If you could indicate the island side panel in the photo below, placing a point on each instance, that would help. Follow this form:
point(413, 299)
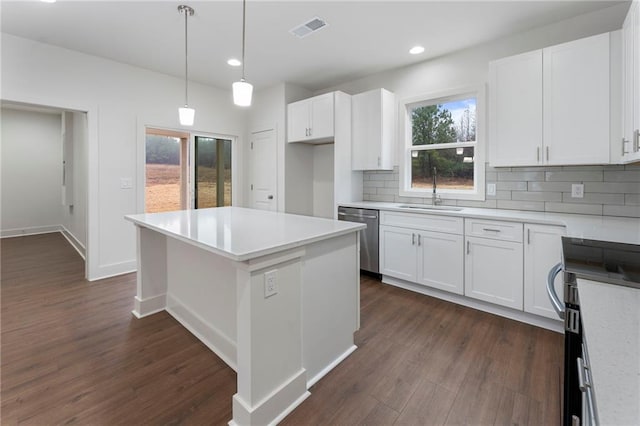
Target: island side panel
point(330, 303)
point(201, 295)
point(271, 377)
point(152, 272)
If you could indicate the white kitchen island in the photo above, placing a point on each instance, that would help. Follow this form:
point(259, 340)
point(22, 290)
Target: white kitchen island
point(276, 296)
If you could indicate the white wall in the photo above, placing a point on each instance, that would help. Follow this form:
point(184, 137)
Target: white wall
point(31, 171)
point(74, 217)
point(323, 169)
point(120, 101)
point(470, 67)
point(268, 111)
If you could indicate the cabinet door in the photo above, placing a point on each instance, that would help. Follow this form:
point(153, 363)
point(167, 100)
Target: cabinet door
point(298, 114)
point(493, 271)
point(441, 261)
point(542, 250)
point(398, 252)
point(372, 130)
point(321, 126)
point(515, 110)
point(576, 102)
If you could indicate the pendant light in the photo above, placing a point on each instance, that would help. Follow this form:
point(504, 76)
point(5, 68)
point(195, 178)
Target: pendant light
point(186, 114)
point(242, 90)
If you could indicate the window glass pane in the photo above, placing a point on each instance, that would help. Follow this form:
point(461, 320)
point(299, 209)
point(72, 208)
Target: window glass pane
point(453, 168)
point(213, 172)
point(446, 122)
point(163, 177)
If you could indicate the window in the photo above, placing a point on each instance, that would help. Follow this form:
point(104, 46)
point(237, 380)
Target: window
point(442, 143)
point(166, 182)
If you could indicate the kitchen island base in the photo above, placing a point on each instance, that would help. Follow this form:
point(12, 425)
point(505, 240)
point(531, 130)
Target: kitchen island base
point(279, 344)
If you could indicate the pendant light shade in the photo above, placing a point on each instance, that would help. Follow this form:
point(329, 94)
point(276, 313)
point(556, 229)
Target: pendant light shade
point(242, 91)
point(186, 115)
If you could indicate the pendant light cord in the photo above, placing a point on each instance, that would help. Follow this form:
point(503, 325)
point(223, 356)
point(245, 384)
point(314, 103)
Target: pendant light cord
point(244, 11)
point(186, 62)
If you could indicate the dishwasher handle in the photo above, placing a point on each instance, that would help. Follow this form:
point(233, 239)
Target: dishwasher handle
point(361, 216)
point(558, 306)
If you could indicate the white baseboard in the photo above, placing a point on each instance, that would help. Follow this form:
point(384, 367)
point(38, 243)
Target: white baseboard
point(80, 248)
point(214, 339)
point(149, 306)
point(31, 230)
point(521, 316)
point(275, 406)
point(330, 367)
point(112, 270)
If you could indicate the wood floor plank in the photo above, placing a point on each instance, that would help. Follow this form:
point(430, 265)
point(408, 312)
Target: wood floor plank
point(71, 352)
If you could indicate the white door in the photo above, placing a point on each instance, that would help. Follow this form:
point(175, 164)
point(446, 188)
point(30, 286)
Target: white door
point(264, 170)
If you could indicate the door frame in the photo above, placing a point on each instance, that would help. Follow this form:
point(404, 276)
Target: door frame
point(192, 162)
point(91, 265)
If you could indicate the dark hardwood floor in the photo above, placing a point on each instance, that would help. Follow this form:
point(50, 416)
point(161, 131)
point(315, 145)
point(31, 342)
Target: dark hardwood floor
point(71, 352)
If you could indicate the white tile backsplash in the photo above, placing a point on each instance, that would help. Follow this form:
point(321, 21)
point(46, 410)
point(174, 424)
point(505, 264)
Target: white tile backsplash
point(609, 190)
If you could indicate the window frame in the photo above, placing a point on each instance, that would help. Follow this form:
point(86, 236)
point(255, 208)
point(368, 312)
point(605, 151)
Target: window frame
point(406, 147)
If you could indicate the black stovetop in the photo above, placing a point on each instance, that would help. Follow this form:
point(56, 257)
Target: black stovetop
point(605, 261)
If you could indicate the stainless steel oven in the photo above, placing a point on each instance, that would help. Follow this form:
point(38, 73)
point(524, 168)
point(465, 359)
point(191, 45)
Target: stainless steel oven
point(602, 261)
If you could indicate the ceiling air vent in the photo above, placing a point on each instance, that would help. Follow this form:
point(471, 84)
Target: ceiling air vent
point(314, 24)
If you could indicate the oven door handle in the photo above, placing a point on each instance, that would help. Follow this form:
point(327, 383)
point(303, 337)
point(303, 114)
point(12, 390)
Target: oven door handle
point(551, 290)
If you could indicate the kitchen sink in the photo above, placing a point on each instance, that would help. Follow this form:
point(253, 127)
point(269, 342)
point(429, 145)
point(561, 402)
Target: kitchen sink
point(423, 207)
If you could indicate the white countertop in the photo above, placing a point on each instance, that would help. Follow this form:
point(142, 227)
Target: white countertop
point(606, 228)
point(611, 320)
point(241, 234)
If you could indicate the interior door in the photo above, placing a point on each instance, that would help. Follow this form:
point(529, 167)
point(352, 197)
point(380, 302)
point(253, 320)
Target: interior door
point(264, 170)
point(212, 172)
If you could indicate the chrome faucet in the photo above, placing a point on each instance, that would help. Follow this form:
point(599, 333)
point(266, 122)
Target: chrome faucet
point(435, 199)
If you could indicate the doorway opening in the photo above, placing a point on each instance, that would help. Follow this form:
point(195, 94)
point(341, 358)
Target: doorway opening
point(166, 171)
point(213, 172)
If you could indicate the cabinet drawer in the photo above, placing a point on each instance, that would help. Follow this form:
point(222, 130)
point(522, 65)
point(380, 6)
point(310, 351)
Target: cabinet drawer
point(497, 230)
point(425, 222)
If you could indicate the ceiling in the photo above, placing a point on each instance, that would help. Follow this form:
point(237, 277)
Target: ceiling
point(362, 37)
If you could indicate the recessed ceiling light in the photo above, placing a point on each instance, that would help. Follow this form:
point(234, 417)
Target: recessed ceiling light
point(234, 62)
point(48, 1)
point(416, 50)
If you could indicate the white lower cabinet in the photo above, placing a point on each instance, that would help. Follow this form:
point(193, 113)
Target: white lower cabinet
point(398, 257)
point(433, 259)
point(494, 266)
point(501, 262)
point(440, 263)
point(542, 250)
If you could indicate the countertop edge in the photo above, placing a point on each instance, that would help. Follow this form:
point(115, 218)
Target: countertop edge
point(245, 256)
point(577, 225)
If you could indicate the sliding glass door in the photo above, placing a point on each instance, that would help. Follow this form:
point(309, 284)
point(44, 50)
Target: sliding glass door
point(212, 172)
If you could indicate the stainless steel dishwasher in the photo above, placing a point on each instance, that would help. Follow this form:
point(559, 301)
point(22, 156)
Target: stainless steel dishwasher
point(369, 257)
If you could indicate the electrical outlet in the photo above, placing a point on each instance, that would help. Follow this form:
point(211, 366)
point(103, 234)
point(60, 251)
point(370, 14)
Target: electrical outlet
point(125, 183)
point(270, 283)
point(577, 190)
point(491, 189)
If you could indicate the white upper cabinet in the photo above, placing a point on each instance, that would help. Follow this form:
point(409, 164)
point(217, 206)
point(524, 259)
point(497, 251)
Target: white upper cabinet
point(311, 120)
point(576, 102)
point(631, 85)
point(552, 106)
point(373, 129)
point(516, 110)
